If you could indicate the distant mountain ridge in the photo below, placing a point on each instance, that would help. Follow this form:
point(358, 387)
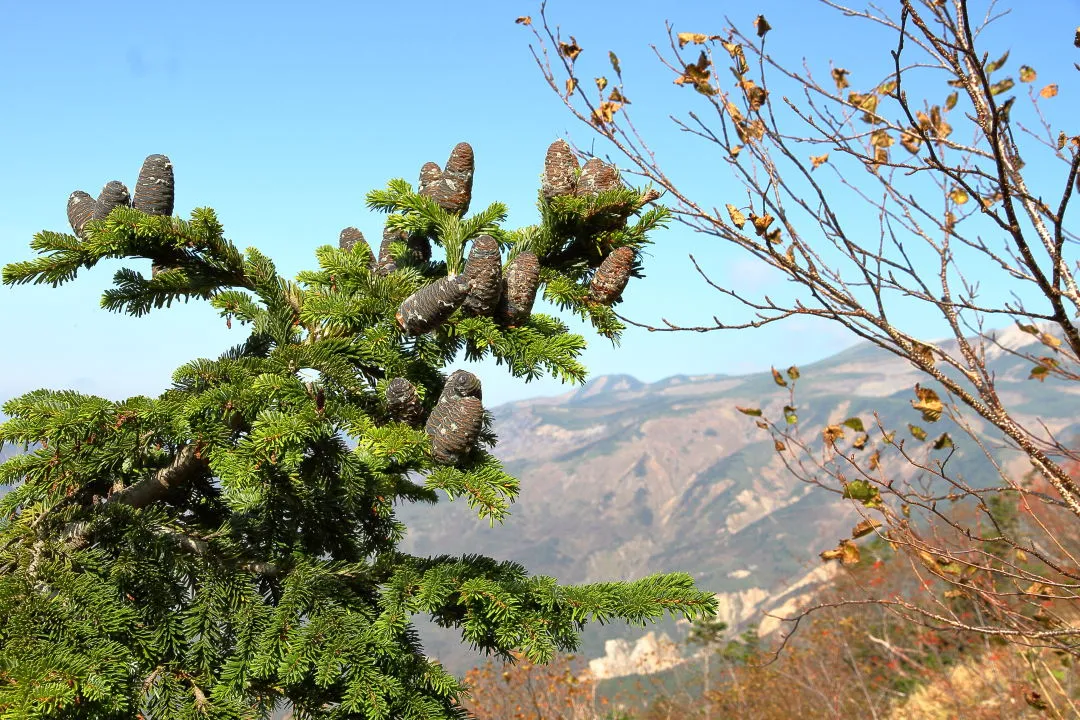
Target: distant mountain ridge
point(622, 478)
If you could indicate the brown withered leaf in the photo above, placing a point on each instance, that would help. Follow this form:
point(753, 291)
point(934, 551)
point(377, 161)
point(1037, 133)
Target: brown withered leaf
point(916, 432)
point(911, 142)
point(735, 150)
point(860, 441)
point(928, 403)
point(875, 460)
point(865, 528)
point(524, 20)
point(839, 76)
point(937, 122)
point(774, 236)
point(761, 223)
point(615, 63)
point(886, 88)
point(1027, 74)
point(750, 131)
point(943, 442)
point(1039, 372)
point(571, 86)
point(601, 83)
point(762, 25)
point(697, 75)
point(779, 380)
point(1049, 91)
point(779, 446)
point(756, 97)
point(958, 195)
point(1076, 38)
point(1002, 86)
point(1061, 140)
point(616, 96)
point(881, 156)
point(753, 412)
point(737, 217)
point(817, 161)
point(696, 38)
point(831, 434)
point(570, 50)
point(605, 113)
point(736, 52)
point(793, 373)
point(950, 100)
point(846, 552)
point(881, 139)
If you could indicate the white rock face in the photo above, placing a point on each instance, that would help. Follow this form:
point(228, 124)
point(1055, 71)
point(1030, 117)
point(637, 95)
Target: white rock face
point(651, 653)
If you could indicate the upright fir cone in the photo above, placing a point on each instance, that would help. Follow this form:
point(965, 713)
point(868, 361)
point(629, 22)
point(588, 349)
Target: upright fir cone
point(483, 271)
point(350, 238)
point(431, 305)
point(461, 383)
point(559, 168)
point(596, 177)
point(430, 173)
point(522, 278)
point(113, 194)
point(80, 208)
point(453, 189)
point(385, 263)
point(155, 188)
point(611, 277)
point(403, 403)
point(453, 428)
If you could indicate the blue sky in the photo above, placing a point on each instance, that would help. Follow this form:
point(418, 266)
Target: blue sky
point(282, 116)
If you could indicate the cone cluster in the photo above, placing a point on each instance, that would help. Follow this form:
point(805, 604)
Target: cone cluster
point(154, 195)
point(450, 187)
point(454, 424)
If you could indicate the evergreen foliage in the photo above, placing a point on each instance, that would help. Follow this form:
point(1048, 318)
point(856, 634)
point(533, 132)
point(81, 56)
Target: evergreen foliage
point(231, 545)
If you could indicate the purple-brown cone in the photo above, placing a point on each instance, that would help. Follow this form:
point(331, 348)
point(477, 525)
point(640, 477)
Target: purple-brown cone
point(483, 271)
point(113, 194)
point(453, 428)
point(611, 277)
point(350, 238)
point(522, 278)
point(596, 177)
point(559, 168)
point(453, 189)
point(80, 208)
point(431, 305)
point(403, 403)
point(461, 383)
point(155, 188)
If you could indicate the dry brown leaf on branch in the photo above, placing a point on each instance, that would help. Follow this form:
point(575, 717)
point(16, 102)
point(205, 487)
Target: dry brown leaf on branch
point(779, 379)
point(756, 97)
point(928, 403)
point(1027, 74)
point(615, 63)
point(570, 50)
point(997, 64)
point(1049, 91)
point(762, 25)
point(865, 528)
point(605, 113)
point(601, 83)
point(831, 434)
point(524, 20)
point(761, 223)
point(839, 76)
point(571, 86)
point(950, 100)
point(697, 75)
point(737, 217)
point(617, 97)
point(817, 161)
point(696, 38)
point(846, 552)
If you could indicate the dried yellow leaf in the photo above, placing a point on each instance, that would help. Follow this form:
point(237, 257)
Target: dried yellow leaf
point(737, 217)
point(601, 83)
point(570, 50)
point(1027, 74)
point(839, 76)
point(1049, 91)
point(817, 161)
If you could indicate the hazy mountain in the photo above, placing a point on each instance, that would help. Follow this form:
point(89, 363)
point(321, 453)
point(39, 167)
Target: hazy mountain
point(620, 479)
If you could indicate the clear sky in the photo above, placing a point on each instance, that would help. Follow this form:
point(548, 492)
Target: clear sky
point(282, 116)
